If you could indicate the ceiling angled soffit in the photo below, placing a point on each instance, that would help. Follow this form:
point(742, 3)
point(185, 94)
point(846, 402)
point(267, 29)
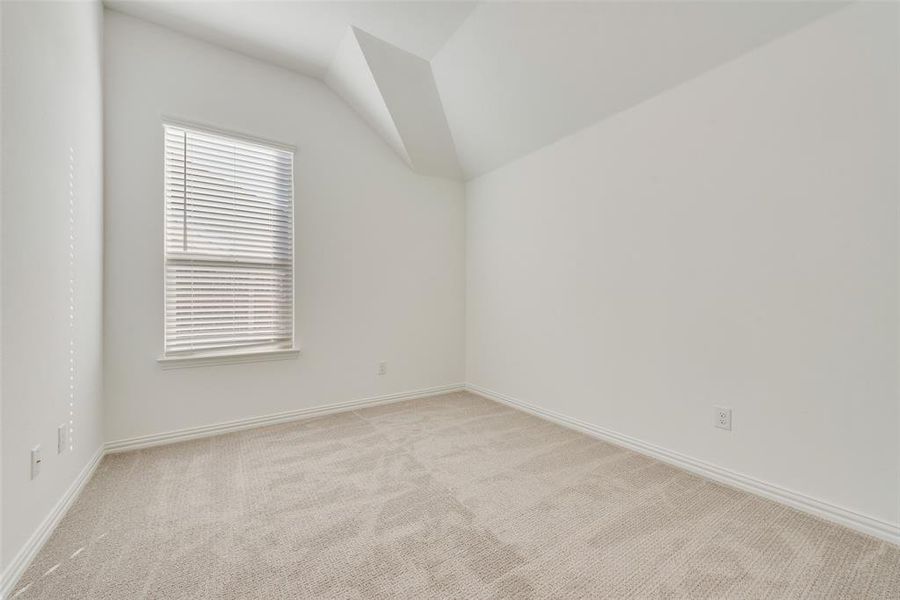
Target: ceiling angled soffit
point(388, 83)
point(302, 36)
point(350, 77)
point(518, 76)
point(408, 90)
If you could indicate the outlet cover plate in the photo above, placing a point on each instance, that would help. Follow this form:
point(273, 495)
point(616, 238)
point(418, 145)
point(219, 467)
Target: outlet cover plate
point(36, 461)
point(723, 417)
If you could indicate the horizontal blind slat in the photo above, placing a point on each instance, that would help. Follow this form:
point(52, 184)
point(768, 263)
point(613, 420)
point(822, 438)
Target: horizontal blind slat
point(222, 143)
point(229, 178)
point(227, 145)
point(235, 209)
point(229, 163)
point(228, 242)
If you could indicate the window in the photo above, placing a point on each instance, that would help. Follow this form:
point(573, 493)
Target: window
point(228, 245)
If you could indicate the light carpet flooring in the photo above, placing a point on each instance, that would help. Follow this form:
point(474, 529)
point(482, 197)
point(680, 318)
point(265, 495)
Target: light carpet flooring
point(447, 497)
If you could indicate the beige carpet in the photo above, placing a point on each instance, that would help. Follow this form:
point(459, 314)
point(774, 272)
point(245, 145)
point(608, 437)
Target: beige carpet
point(448, 497)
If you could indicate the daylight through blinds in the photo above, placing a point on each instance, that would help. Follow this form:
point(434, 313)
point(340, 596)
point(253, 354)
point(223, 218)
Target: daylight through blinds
point(229, 243)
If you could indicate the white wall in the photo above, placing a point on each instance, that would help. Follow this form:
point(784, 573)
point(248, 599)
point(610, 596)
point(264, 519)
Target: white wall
point(379, 250)
point(517, 76)
point(51, 124)
point(731, 241)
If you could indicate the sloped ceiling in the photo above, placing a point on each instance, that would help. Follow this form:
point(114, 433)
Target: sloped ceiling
point(409, 91)
point(458, 89)
point(302, 36)
point(351, 77)
point(516, 77)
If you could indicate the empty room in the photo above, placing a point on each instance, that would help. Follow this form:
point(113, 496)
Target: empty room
point(449, 300)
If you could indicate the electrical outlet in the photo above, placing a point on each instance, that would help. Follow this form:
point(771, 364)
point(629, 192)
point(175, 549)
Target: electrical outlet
point(62, 433)
point(382, 368)
point(723, 417)
point(36, 461)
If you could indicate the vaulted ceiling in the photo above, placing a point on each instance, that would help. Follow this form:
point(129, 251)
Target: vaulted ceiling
point(458, 89)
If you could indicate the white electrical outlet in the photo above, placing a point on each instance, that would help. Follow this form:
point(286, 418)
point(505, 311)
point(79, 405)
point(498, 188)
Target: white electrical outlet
point(723, 417)
point(62, 432)
point(382, 368)
point(36, 461)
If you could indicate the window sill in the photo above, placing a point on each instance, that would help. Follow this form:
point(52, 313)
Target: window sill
point(204, 360)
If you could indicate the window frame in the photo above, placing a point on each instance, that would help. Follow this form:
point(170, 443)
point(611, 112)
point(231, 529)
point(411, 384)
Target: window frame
point(228, 355)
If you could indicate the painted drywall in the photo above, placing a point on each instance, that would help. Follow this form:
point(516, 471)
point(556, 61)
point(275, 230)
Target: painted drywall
point(517, 76)
point(379, 249)
point(731, 241)
point(407, 87)
point(51, 266)
point(304, 36)
point(394, 91)
point(2, 563)
point(350, 76)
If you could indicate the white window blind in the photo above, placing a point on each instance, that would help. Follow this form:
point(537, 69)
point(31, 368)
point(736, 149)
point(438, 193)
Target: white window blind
point(229, 244)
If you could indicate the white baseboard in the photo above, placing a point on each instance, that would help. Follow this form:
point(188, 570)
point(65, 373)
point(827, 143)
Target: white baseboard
point(20, 562)
point(181, 435)
point(878, 528)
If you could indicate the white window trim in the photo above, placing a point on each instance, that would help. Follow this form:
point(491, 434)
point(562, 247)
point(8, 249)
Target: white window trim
point(202, 359)
point(226, 358)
